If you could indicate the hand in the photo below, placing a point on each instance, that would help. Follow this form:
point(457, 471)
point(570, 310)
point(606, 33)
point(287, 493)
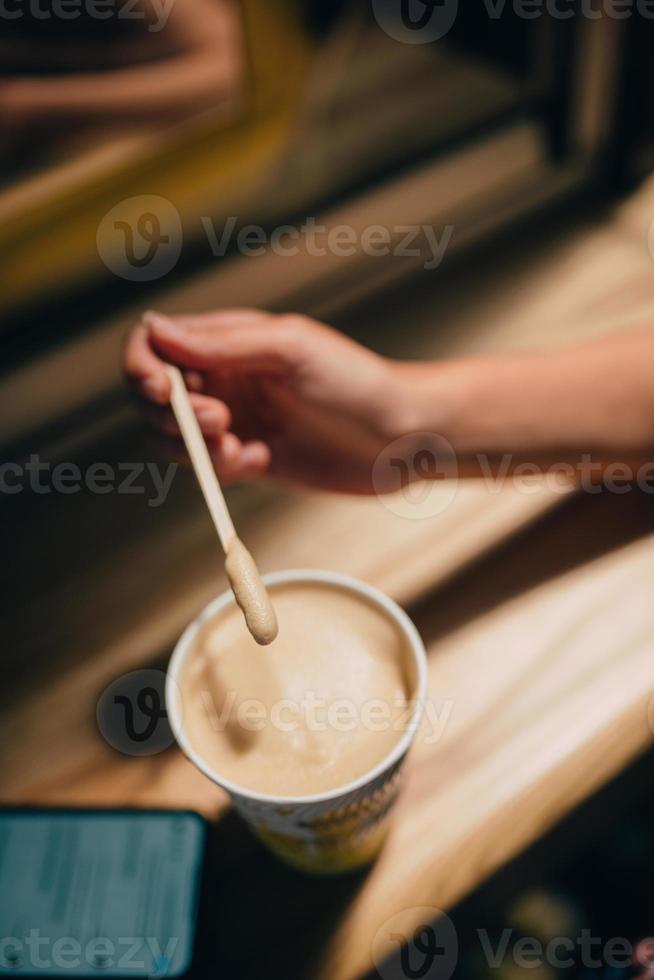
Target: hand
point(278, 395)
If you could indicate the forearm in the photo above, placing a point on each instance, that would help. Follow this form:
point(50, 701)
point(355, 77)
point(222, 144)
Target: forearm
point(130, 93)
point(597, 398)
point(199, 64)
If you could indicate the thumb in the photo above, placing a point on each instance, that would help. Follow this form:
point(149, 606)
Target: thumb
point(254, 343)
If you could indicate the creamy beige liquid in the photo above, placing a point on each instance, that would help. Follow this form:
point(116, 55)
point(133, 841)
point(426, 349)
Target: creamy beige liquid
point(324, 705)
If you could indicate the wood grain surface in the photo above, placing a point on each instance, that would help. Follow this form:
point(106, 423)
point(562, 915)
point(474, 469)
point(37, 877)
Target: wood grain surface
point(540, 649)
point(540, 675)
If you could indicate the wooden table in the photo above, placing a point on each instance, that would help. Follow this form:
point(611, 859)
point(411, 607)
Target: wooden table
point(540, 652)
point(544, 653)
point(541, 667)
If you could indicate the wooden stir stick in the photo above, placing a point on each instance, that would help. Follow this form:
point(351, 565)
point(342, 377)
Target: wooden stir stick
point(200, 459)
point(242, 572)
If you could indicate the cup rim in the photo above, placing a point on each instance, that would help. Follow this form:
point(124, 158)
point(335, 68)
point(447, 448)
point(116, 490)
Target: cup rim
point(348, 582)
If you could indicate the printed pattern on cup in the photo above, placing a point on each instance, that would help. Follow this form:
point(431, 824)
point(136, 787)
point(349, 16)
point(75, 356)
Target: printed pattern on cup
point(336, 835)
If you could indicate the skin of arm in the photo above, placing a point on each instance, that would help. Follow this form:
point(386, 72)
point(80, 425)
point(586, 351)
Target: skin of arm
point(547, 406)
point(203, 46)
point(288, 397)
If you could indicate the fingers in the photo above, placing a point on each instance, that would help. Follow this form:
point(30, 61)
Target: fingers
point(194, 380)
point(214, 417)
point(232, 338)
point(144, 368)
point(213, 320)
point(198, 344)
point(233, 459)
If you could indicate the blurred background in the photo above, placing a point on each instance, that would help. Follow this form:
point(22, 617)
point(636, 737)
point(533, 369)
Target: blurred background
point(240, 114)
point(196, 154)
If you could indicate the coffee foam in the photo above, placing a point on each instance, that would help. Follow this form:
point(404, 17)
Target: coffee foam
point(323, 704)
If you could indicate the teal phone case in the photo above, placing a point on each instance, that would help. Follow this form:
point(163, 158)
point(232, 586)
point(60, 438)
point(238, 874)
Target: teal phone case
point(90, 893)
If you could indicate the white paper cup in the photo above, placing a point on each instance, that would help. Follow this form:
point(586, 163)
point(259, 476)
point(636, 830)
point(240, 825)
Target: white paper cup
point(342, 828)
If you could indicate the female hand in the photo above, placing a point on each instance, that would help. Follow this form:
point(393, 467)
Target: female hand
point(279, 395)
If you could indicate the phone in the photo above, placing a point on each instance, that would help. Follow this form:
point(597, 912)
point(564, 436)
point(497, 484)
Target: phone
point(90, 893)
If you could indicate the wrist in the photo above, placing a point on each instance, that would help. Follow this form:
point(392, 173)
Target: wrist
point(428, 398)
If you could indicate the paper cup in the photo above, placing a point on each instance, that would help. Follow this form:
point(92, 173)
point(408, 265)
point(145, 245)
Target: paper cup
point(342, 828)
